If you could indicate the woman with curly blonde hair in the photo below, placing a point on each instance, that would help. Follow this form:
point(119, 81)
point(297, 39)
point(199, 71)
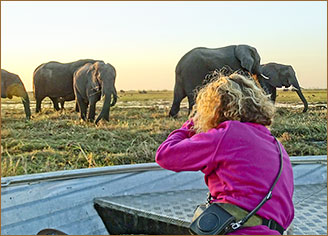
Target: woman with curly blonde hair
point(227, 139)
point(231, 98)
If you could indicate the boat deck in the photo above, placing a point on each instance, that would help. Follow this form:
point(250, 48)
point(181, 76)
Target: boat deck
point(64, 200)
point(175, 210)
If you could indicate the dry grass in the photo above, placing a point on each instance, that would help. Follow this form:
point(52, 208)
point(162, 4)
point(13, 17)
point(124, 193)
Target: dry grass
point(53, 141)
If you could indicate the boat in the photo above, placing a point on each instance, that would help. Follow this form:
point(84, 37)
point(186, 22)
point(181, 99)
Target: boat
point(137, 199)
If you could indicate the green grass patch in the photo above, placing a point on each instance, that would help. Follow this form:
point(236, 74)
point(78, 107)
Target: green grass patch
point(313, 96)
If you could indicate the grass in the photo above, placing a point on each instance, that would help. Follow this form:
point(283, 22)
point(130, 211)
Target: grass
point(311, 95)
point(138, 124)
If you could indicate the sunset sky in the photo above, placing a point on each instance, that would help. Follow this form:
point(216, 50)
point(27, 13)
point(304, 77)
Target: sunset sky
point(145, 40)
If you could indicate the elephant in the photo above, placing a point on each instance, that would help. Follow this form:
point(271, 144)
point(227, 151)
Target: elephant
point(280, 75)
point(12, 85)
point(192, 68)
point(55, 80)
point(90, 83)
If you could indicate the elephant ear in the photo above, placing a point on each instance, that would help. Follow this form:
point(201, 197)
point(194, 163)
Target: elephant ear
point(289, 78)
point(113, 71)
point(274, 74)
point(244, 54)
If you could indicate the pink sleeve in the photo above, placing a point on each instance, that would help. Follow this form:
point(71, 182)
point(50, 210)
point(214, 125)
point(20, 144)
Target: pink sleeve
point(185, 151)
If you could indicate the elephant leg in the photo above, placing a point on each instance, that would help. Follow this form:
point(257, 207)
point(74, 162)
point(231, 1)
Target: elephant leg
point(92, 112)
point(272, 91)
point(82, 106)
point(179, 94)
point(273, 94)
point(92, 109)
point(191, 101)
point(62, 104)
point(55, 102)
point(83, 110)
point(38, 104)
point(76, 107)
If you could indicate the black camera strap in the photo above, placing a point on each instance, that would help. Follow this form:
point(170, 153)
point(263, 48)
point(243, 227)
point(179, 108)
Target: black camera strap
point(237, 225)
point(216, 219)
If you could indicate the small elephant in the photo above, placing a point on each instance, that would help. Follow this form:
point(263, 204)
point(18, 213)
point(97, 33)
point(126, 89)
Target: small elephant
point(197, 63)
point(280, 75)
point(91, 82)
point(11, 85)
point(55, 80)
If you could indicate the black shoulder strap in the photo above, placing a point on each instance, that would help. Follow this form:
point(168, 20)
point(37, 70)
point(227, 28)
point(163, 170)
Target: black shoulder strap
point(238, 224)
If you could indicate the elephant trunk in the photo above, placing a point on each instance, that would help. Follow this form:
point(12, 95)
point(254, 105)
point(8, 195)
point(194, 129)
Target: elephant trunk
point(257, 70)
point(114, 98)
point(297, 87)
point(26, 103)
point(300, 94)
point(104, 114)
point(264, 85)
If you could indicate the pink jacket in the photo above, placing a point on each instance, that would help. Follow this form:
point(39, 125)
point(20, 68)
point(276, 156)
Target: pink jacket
point(240, 162)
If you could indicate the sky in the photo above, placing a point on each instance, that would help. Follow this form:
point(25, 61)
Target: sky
point(145, 40)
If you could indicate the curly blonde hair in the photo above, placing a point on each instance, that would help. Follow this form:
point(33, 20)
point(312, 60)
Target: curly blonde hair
point(233, 97)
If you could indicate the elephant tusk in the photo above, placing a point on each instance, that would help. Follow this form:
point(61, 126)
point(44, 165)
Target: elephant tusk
point(265, 77)
point(294, 88)
point(94, 93)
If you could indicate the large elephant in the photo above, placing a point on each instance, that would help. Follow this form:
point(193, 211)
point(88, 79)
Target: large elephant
point(91, 82)
point(11, 85)
point(280, 75)
point(55, 80)
point(193, 66)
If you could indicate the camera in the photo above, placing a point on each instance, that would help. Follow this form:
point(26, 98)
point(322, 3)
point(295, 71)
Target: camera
point(214, 220)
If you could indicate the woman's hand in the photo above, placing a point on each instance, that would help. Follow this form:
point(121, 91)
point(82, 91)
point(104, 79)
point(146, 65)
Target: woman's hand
point(189, 124)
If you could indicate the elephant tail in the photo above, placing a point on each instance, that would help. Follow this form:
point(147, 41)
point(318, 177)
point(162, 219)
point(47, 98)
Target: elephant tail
point(114, 98)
